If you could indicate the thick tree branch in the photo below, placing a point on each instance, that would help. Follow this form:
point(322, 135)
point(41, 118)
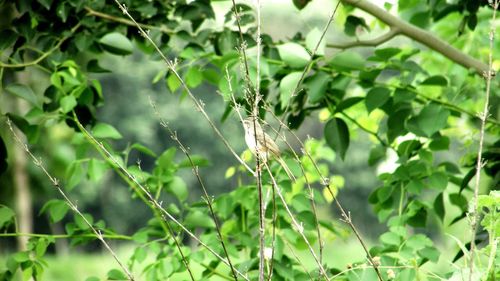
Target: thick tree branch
point(366, 43)
point(420, 35)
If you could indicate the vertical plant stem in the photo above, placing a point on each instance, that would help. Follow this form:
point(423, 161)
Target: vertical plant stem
point(165, 215)
point(326, 183)
point(479, 164)
point(208, 200)
point(308, 67)
point(298, 227)
point(57, 186)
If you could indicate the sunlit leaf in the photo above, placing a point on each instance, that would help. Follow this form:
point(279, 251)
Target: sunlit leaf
point(337, 136)
point(105, 131)
point(116, 43)
point(287, 86)
point(294, 54)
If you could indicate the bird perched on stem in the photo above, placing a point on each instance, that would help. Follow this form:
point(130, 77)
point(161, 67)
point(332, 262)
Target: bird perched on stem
point(261, 144)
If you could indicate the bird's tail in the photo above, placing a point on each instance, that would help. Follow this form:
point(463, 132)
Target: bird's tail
point(285, 167)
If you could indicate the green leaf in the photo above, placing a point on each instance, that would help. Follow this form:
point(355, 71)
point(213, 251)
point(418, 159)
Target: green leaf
point(226, 42)
point(376, 97)
point(287, 85)
point(62, 11)
point(194, 77)
point(396, 124)
point(408, 148)
point(25, 93)
point(345, 104)
point(436, 80)
point(418, 241)
point(403, 95)
point(6, 216)
point(179, 188)
point(337, 136)
point(294, 54)
point(97, 169)
point(300, 4)
point(385, 54)
point(312, 40)
point(459, 200)
point(140, 254)
point(8, 38)
point(421, 19)
point(115, 274)
point(439, 206)
point(103, 131)
point(31, 131)
point(93, 66)
point(390, 238)
point(415, 186)
point(74, 174)
point(173, 83)
point(41, 247)
point(316, 86)
point(440, 143)
point(430, 120)
point(352, 23)
point(385, 192)
point(116, 43)
point(198, 161)
point(347, 61)
point(166, 159)
point(68, 103)
point(212, 76)
point(21, 256)
point(141, 236)
point(430, 253)
point(82, 223)
point(377, 154)
point(465, 182)
point(198, 219)
point(143, 149)
point(57, 209)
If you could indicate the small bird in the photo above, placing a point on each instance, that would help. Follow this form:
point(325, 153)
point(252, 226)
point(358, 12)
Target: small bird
point(265, 146)
point(262, 144)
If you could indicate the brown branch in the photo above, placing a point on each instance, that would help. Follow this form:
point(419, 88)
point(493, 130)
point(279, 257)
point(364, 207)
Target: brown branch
point(125, 21)
point(45, 54)
point(480, 163)
point(420, 35)
point(393, 32)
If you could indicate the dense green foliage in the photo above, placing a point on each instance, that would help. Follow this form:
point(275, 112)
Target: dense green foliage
point(419, 108)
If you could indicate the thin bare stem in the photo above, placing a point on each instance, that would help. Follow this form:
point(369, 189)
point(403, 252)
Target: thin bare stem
point(55, 183)
point(171, 66)
point(488, 75)
point(45, 54)
point(308, 67)
point(298, 259)
point(158, 205)
point(311, 195)
point(326, 183)
point(255, 98)
point(298, 227)
point(382, 142)
point(92, 12)
point(196, 173)
point(259, 46)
